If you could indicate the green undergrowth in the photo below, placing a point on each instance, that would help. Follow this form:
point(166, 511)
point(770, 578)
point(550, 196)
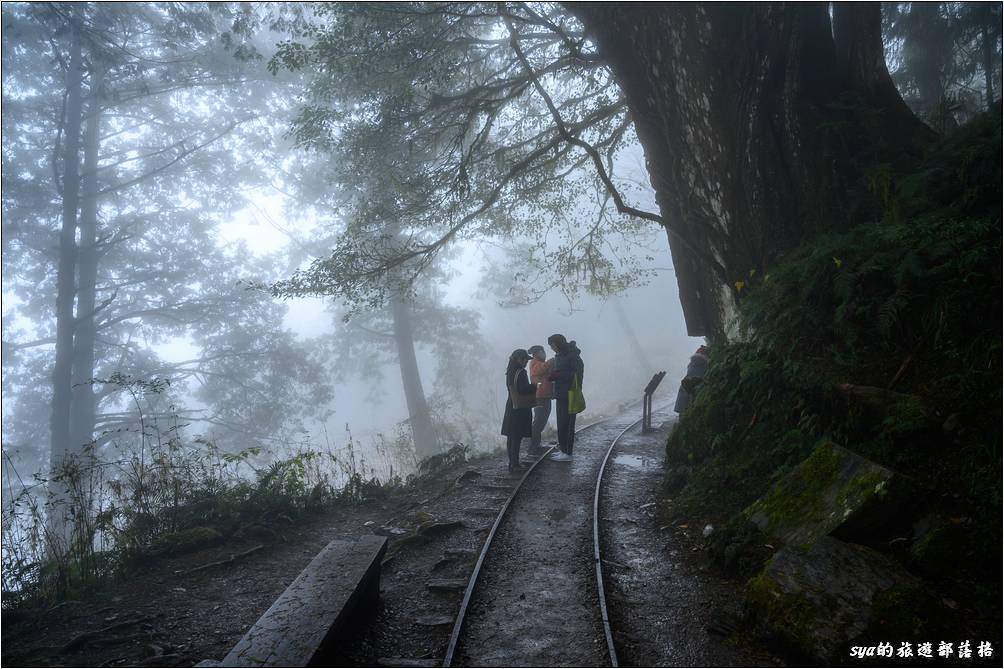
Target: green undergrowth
point(168, 499)
point(885, 339)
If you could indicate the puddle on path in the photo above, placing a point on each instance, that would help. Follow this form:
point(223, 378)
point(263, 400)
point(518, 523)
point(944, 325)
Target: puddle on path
point(637, 461)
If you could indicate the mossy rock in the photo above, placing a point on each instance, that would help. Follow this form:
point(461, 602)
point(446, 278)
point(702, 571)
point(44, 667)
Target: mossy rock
point(740, 547)
point(816, 601)
point(832, 491)
point(935, 547)
point(185, 541)
point(907, 610)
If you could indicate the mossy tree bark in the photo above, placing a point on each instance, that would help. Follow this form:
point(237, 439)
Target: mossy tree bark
point(736, 108)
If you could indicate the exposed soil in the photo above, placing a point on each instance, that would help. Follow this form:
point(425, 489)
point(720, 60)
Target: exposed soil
point(413, 621)
point(161, 618)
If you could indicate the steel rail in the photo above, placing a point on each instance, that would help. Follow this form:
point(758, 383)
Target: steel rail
point(601, 592)
point(461, 615)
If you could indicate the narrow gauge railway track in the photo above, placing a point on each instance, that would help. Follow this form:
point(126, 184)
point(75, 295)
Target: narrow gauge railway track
point(535, 596)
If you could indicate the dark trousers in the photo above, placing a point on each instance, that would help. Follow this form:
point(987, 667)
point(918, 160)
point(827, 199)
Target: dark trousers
point(566, 426)
point(541, 413)
point(512, 448)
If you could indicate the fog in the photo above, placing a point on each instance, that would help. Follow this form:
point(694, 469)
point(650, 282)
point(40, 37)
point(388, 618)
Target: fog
point(370, 407)
point(262, 260)
point(229, 275)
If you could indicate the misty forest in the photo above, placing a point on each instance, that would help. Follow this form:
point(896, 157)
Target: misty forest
point(265, 265)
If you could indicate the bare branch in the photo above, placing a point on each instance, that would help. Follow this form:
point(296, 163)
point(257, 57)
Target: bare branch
point(167, 165)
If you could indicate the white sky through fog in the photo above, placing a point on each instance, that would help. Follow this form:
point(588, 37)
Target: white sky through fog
point(613, 376)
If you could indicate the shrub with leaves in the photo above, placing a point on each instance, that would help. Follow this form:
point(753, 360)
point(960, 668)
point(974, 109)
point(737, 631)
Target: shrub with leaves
point(885, 338)
point(151, 494)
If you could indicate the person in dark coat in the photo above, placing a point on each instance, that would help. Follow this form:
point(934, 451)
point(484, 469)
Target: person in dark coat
point(517, 422)
point(567, 366)
point(695, 370)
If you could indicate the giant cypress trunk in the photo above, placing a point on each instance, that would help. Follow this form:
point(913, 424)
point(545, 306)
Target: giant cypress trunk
point(422, 431)
point(736, 108)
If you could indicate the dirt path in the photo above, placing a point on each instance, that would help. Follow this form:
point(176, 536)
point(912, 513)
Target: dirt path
point(158, 617)
point(666, 607)
point(161, 618)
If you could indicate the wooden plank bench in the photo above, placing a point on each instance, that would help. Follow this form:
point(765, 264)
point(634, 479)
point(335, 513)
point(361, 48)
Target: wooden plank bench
point(303, 624)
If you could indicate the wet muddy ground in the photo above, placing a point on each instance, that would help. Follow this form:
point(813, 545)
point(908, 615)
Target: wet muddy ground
point(667, 606)
point(158, 617)
point(536, 603)
point(663, 598)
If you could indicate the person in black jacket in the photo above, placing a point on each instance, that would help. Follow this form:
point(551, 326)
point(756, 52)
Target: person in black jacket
point(521, 395)
point(695, 371)
point(567, 366)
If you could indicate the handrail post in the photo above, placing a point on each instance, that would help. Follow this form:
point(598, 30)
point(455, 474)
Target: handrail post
point(646, 402)
point(644, 411)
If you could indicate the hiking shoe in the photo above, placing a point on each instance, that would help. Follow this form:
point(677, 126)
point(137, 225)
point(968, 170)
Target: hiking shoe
point(561, 457)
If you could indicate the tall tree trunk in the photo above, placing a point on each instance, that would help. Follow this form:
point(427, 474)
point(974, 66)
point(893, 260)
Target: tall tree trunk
point(734, 107)
point(426, 443)
point(928, 51)
point(986, 37)
point(84, 405)
point(59, 512)
point(637, 352)
point(59, 423)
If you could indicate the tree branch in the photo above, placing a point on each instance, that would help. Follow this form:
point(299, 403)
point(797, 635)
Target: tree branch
point(168, 164)
point(597, 159)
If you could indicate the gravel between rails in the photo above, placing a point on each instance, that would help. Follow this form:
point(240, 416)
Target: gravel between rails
point(536, 602)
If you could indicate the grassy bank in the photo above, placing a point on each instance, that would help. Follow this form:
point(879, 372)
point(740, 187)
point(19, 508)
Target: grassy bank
point(165, 498)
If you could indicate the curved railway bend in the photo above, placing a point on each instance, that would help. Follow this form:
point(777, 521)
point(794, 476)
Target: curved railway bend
point(533, 599)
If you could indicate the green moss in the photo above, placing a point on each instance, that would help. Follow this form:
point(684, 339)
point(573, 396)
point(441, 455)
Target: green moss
point(795, 618)
point(903, 611)
point(818, 495)
point(798, 494)
point(907, 414)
